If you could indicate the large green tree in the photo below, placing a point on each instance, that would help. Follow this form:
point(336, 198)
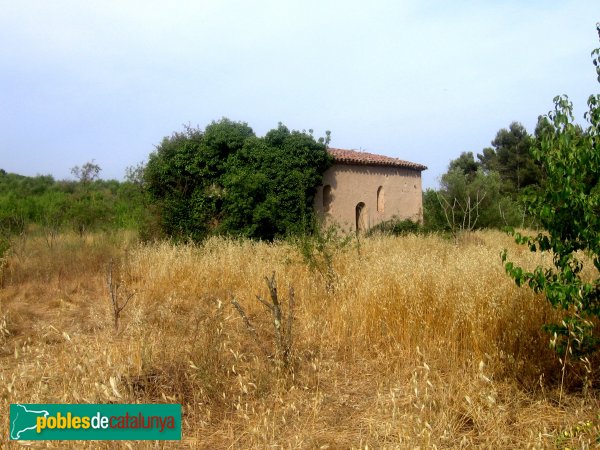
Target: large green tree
point(183, 176)
point(465, 164)
point(270, 184)
point(510, 156)
point(227, 180)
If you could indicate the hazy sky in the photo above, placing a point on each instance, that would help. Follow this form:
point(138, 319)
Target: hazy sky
point(418, 80)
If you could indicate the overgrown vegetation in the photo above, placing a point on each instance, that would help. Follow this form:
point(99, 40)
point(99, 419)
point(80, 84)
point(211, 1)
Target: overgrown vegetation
point(397, 227)
point(226, 180)
point(319, 248)
point(85, 205)
point(421, 343)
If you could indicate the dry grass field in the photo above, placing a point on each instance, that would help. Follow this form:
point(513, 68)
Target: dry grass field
point(419, 343)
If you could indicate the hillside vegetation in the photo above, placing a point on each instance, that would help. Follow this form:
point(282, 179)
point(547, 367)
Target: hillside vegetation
point(410, 342)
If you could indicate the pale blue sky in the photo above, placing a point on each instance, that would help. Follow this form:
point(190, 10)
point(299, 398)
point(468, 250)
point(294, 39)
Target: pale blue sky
point(418, 80)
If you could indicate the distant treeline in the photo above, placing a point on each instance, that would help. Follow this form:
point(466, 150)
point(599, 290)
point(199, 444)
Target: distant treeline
point(226, 180)
point(176, 194)
point(87, 204)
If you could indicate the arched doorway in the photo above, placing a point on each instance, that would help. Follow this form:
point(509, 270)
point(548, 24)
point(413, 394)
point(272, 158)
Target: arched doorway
point(361, 218)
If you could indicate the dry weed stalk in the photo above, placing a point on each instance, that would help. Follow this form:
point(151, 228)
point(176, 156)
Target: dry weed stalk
point(283, 332)
point(4, 331)
point(249, 326)
point(113, 290)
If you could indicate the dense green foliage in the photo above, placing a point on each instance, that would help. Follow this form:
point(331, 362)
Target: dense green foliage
point(568, 208)
point(510, 156)
point(486, 193)
point(397, 227)
point(226, 180)
point(54, 206)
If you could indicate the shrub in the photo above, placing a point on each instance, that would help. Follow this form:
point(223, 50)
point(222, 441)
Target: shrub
point(226, 180)
point(397, 227)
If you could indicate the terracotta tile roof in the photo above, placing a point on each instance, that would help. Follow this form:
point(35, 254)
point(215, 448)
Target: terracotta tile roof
point(363, 158)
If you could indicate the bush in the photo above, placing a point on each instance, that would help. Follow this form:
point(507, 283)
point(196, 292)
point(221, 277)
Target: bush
point(53, 206)
point(226, 180)
point(397, 227)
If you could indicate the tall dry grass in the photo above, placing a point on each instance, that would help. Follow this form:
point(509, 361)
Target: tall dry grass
point(420, 343)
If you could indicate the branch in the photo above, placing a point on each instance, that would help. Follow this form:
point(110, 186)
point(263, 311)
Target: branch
point(249, 326)
point(264, 302)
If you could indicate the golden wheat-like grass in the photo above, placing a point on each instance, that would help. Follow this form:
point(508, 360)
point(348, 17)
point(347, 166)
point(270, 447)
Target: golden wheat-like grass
point(420, 343)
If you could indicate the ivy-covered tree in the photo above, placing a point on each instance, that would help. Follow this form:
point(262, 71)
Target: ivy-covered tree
point(568, 208)
point(183, 176)
point(270, 184)
point(227, 180)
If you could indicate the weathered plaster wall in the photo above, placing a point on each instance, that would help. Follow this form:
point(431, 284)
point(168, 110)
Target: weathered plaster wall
point(352, 184)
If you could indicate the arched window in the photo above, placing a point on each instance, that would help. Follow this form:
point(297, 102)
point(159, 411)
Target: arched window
point(361, 217)
point(327, 198)
point(380, 199)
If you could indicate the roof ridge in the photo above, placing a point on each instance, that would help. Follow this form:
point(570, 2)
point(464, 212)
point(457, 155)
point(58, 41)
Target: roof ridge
point(344, 156)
